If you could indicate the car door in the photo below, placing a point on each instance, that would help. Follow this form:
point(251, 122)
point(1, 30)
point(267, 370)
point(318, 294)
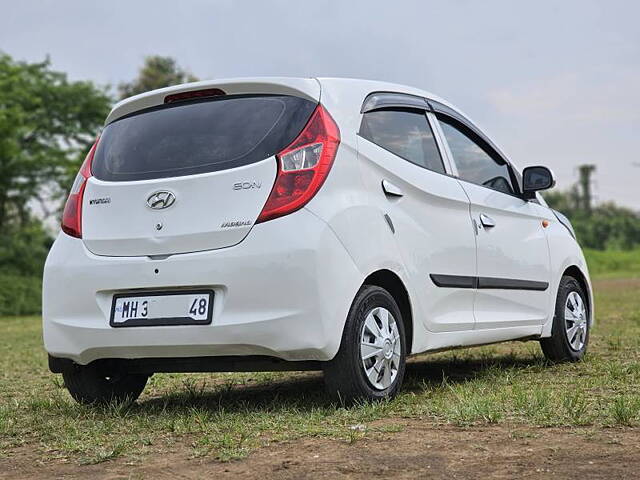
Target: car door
point(425, 206)
point(512, 251)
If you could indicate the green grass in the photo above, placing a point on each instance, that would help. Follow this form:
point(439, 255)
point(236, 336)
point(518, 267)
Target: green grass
point(613, 263)
point(19, 294)
point(225, 416)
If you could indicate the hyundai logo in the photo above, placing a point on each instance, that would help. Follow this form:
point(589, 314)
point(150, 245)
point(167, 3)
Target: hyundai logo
point(161, 199)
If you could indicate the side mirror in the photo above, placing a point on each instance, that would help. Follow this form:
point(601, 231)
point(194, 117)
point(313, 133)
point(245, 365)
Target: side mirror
point(535, 179)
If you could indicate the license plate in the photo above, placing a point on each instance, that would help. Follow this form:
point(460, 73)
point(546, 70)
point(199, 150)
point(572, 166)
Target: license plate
point(162, 308)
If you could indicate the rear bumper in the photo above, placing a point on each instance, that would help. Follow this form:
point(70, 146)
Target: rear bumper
point(283, 292)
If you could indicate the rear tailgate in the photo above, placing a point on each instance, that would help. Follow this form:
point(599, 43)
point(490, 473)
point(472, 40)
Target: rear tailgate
point(188, 176)
point(208, 212)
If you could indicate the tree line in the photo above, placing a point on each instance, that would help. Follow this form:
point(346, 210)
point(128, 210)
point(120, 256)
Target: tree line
point(606, 226)
point(48, 122)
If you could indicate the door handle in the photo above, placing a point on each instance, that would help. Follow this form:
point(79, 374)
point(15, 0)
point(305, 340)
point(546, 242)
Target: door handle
point(487, 221)
point(390, 189)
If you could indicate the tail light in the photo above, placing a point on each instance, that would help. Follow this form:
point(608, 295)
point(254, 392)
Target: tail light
point(303, 166)
point(72, 213)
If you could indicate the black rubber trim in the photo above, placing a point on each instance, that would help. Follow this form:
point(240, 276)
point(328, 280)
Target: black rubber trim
point(454, 281)
point(511, 284)
point(461, 281)
point(439, 108)
point(251, 363)
point(478, 135)
point(59, 365)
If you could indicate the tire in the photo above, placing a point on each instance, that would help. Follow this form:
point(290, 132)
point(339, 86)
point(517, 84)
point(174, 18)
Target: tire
point(89, 386)
point(346, 376)
point(564, 345)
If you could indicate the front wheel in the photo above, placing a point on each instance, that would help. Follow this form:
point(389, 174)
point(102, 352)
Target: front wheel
point(88, 385)
point(570, 331)
point(370, 364)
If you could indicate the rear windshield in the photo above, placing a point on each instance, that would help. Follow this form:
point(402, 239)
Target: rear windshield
point(198, 136)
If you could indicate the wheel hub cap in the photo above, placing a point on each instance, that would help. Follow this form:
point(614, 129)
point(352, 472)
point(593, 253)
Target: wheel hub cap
point(387, 349)
point(575, 321)
point(380, 348)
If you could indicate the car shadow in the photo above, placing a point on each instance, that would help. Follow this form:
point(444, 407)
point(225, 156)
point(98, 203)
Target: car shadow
point(305, 391)
point(423, 372)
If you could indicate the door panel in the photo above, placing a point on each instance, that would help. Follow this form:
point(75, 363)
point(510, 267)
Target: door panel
point(430, 215)
point(513, 271)
point(513, 260)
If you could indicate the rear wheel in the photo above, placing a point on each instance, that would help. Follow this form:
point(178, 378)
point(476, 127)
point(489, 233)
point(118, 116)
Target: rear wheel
point(370, 364)
point(570, 331)
point(88, 385)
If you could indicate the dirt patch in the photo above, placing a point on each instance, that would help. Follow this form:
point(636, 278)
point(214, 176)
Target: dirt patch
point(617, 283)
point(415, 452)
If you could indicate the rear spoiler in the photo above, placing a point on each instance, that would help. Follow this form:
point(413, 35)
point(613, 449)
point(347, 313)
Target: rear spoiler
point(308, 88)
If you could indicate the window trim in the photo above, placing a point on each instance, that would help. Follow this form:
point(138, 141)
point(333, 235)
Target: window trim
point(443, 158)
point(485, 144)
point(433, 109)
point(450, 166)
point(441, 109)
point(389, 100)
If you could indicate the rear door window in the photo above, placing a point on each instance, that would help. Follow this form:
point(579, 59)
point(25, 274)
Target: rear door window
point(200, 136)
point(404, 132)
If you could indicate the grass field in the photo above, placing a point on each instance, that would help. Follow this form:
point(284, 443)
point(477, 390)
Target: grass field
point(613, 263)
point(226, 416)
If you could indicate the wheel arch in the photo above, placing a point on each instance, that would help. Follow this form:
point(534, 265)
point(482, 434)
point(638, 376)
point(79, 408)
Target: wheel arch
point(392, 283)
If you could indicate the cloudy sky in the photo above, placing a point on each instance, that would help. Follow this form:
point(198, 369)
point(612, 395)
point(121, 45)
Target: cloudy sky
point(552, 82)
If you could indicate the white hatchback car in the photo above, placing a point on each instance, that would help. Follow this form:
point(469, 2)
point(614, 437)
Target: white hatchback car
point(301, 224)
